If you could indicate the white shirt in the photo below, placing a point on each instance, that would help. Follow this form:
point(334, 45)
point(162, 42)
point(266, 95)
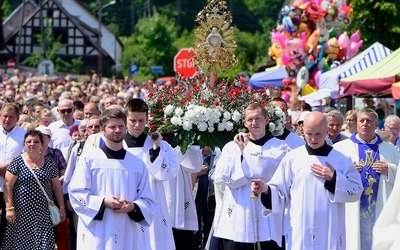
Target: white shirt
point(60, 134)
point(11, 145)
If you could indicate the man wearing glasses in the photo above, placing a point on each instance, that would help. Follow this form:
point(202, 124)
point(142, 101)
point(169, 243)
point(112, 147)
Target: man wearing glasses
point(377, 162)
point(392, 125)
point(60, 129)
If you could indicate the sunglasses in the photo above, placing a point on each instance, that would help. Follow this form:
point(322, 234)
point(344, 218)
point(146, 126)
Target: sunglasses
point(64, 111)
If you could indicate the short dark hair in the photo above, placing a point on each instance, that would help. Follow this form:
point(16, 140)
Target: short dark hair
point(33, 132)
point(79, 105)
point(111, 113)
point(137, 105)
point(279, 99)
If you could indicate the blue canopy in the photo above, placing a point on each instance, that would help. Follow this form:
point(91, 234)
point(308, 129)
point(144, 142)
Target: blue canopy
point(271, 76)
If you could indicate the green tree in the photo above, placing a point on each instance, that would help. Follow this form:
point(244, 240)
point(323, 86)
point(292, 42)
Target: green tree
point(8, 7)
point(378, 21)
point(151, 45)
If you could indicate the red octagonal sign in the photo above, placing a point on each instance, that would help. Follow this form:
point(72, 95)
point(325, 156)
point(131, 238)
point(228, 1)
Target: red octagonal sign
point(183, 65)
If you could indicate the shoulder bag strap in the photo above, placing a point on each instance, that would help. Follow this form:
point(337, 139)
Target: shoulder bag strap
point(40, 185)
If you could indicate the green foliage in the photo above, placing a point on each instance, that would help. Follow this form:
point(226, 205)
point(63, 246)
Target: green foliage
point(151, 45)
point(33, 60)
point(8, 7)
point(76, 64)
point(377, 20)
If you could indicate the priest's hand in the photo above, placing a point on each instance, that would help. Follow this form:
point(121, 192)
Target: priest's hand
point(113, 202)
point(323, 172)
point(381, 167)
point(126, 207)
point(241, 140)
point(358, 166)
point(156, 139)
point(258, 186)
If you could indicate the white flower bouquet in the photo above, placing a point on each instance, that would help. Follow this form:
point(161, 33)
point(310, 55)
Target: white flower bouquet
point(196, 113)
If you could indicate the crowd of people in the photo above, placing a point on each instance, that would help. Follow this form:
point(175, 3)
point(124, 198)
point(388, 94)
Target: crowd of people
point(322, 184)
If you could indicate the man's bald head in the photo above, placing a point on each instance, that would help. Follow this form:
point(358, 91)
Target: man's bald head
point(91, 109)
point(315, 129)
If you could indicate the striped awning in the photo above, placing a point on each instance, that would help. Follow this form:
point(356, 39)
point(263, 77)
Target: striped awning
point(375, 54)
point(330, 79)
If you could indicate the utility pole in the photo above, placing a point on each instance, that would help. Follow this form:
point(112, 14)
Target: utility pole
point(133, 16)
point(100, 57)
point(42, 28)
point(20, 35)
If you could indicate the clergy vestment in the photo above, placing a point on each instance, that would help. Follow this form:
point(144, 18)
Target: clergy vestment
point(387, 226)
point(237, 216)
point(293, 141)
point(316, 214)
point(387, 153)
point(180, 200)
point(161, 168)
point(97, 175)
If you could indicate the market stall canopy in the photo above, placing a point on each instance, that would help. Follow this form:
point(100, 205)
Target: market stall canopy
point(376, 79)
point(330, 79)
point(396, 90)
point(271, 76)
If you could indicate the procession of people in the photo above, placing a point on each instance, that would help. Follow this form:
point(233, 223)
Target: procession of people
point(323, 183)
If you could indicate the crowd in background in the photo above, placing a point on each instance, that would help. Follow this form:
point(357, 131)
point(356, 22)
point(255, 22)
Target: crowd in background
point(67, 113)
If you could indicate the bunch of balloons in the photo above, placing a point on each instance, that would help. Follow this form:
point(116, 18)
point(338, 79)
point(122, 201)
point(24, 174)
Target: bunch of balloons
point(307, 40)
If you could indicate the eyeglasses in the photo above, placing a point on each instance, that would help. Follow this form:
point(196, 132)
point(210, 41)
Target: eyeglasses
point(32, 142)
point(64, 111)
point(93, 127)
point(392, 128)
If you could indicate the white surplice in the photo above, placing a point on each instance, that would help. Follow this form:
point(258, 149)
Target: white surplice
point(164, 168)
point(387, 226)
point(97, 177)
point(293, 141)
point(237, 216)
point(316, 215)
point(180, 200)
point(388, 154)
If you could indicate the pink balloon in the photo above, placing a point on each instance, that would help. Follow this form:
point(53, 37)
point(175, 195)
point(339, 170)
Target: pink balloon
point(344, 40)
point(285, 96)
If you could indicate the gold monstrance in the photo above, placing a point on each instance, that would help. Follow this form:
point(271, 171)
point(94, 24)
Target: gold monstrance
point(214, 39)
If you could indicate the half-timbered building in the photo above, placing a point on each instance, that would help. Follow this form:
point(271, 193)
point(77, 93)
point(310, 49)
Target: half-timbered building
point(77, 27)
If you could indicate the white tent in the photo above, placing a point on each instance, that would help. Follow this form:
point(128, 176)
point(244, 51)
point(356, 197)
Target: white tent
point(374, 53)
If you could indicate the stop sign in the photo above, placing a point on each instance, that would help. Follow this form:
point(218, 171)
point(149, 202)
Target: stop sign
point(183, 65)
point(10, 63)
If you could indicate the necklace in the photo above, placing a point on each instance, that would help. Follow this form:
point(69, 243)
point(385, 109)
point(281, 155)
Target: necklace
point(35, 166)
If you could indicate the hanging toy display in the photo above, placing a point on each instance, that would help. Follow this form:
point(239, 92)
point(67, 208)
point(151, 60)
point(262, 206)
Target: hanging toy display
point(312, 36)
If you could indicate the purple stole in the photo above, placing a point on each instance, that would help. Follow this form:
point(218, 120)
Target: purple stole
point(368, 154)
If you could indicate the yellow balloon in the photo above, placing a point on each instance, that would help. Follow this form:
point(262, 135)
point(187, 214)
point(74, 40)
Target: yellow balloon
point(308, 89)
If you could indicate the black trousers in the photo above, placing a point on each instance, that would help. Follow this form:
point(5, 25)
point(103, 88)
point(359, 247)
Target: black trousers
point(183, 239)
point(72, 231)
